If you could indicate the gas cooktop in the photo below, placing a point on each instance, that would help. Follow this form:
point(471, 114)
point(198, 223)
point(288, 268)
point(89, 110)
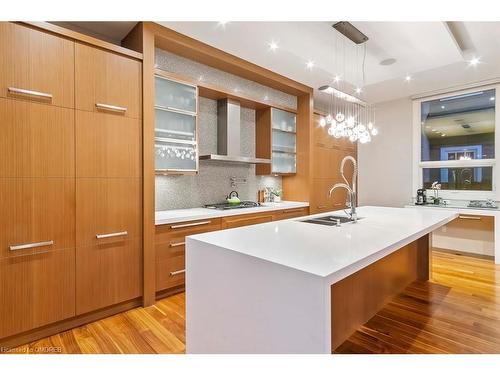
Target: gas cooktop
point(228, 206)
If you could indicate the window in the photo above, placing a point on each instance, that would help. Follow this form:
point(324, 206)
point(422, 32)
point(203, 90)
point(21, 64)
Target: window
point(456, 145)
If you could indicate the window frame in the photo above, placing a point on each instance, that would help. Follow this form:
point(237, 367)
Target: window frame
point(419, 165)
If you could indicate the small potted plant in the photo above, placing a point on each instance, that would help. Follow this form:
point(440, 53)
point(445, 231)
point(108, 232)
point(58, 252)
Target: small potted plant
point(277, 195)
point(436, 186)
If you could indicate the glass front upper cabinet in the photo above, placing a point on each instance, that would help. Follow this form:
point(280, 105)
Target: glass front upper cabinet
point(457, 133)
point(176, 140)
point(284, 138)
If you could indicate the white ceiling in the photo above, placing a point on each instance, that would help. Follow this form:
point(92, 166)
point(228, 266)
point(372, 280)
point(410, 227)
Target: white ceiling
point(425, 50)
point(435, 57)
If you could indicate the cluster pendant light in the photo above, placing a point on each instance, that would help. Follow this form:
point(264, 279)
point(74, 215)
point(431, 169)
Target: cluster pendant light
point(348, 116)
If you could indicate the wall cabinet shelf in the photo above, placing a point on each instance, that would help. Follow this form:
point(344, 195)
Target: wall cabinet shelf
point(176, 140)
point(276, 139)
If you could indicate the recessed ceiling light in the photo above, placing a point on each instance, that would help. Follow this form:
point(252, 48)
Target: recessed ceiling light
point(359, 90)
point(492, 98)
point(310, 64)
point(442, 107)
point(336, 78)
point(443, 135)
point(474, 61)
point(326, 89)
point(389, 61)
point(273, 46)
point(222, 24)
point(408, 78)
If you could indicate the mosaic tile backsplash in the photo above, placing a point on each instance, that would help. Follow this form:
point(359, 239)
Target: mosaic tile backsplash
point(212, 183)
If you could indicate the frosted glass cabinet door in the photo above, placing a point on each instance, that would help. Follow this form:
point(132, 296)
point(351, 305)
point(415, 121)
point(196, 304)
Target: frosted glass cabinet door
point(171, 156)
point(283, 141)
point(175, 125)
point(174, 95)
point(283, 162)
point(283, 120)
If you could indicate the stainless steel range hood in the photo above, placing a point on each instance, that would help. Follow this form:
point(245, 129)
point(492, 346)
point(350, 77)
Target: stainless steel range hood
point(229, 135)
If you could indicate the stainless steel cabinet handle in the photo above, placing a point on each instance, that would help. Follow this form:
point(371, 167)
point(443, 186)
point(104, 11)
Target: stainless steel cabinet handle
point(190, 224)
point(469, 217)
point(110, 107)
point(30, 245)
point(321, 206)
point(293, 211)
point(177, 244)
point(108, 235)
point(29, 92)
point(177, 272)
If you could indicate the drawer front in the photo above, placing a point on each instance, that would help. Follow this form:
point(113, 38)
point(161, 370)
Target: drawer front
point(36, 211)
point(172, 248)
point(241, 221)
point(107, 274)
point(107, 145)
point(36, 290)
point(107, 83)
point(36, 140)
point(107, 209)
point(176, 232)
point(291, 213)
point(36, 66)
point(170, 272)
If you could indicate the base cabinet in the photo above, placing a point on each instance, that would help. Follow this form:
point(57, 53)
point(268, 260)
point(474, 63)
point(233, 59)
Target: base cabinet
point(36, 290)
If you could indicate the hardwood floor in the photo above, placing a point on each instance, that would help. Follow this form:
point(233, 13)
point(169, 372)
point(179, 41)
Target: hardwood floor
point(458, 312)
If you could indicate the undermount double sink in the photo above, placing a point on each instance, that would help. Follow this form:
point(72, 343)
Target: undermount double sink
point(330, 220)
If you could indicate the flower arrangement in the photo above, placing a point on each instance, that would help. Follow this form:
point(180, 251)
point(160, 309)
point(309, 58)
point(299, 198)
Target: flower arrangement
point(436, 186)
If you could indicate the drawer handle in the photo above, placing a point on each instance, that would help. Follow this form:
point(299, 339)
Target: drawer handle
point(30, 92)
point(292, 211)
point(177, 272)
point(30, 245)
point(190, 224)
point(177, 244)
point(108, 235)
point(469, 217)
point(321, 206)
point(110, 107)
point(337, 204)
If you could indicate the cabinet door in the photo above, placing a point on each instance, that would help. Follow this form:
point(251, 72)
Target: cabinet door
point(107, 145)
point(36, 140)
point(241, 221)
point(36, 211)
point(36, 66)
point(108, 273)
point(170, 272)
point(320, 202)
point(107, 82)
point(36, 290)
point(291, 213)
point(107, 209)
point(325, 163)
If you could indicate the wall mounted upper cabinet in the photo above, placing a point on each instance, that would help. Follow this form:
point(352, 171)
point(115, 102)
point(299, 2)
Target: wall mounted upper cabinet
point(276, 139)
point(36, 66)
point(106, 82)
point(176, 138)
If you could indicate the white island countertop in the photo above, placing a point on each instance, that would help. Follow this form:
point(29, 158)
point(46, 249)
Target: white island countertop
point(329, 251)
point(200, 213)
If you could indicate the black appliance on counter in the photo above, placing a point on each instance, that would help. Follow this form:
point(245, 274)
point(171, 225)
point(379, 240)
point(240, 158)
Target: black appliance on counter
point(230, 206)
point(421, 197)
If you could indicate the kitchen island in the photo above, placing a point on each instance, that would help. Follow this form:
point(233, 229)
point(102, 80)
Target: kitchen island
point(297, 287)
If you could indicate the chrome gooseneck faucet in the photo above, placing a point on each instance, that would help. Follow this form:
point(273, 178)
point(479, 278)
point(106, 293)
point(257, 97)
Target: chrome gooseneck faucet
point(351, 190)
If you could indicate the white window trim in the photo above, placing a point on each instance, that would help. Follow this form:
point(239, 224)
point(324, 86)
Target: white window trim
point(418, 165)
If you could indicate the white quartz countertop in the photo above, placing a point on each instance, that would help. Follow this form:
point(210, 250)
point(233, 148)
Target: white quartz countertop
point(328, 251)
point(188, 214)
point(462, 209)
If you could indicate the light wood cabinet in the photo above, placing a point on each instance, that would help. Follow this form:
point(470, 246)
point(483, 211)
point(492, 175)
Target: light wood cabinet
point(107, 82)
point(107, 209)
point(321, 202)
point(36, 140)
point(244, 220)
point(36, 210)
point(107, 145)
point(36, 66)
point(108, 273)
point(36, 290)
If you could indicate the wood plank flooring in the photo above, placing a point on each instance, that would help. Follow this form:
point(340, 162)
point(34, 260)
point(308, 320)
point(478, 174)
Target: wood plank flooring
point(458, 312)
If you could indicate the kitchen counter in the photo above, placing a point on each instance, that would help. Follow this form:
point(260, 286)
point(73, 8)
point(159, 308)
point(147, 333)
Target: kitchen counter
point(266, 288)
point(188, 214)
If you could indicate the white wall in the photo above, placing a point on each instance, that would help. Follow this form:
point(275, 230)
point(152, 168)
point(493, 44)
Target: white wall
point(385, 164)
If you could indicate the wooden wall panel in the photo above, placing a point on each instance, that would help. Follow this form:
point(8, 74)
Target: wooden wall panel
point(37, 61)
point(36, 140)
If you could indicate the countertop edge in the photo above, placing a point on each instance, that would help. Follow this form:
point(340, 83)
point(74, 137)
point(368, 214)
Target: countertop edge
point(213, 214)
